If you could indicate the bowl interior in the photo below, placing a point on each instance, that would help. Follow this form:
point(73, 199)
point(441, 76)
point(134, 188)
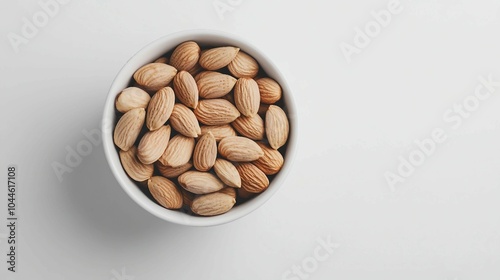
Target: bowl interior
point(149, 54)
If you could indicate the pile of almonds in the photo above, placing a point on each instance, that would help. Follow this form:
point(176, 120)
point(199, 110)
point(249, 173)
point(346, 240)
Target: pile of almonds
point(209, 120)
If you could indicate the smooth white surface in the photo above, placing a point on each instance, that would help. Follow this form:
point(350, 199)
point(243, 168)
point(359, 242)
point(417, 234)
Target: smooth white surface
point(356, 120)
point(150, 53)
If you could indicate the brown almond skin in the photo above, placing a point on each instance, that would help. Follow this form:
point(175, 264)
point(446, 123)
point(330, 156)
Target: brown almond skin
point(187, 198)
point(132, 98)
point(247, 96)
point(219, 131)
point(203, 74)
point(161, 59)
point(205, 152)
point(195, 70)
point(216, 112)
point(250, 127)
point(184, 121)
point(212, 204)
point(277, 127)
point(165, 192)
point(271, 162)
point(185, 89)
point(198, 182)
point(172, 172)
point(185, 56)
point(160, 108)
point(229, 191)
point(178, 152)
point(216, 58)
point(153, 144)
point(239, 149)
point(227, 172)
point(253, 180)
point(215, 85)
point(155, 76)
point(270, 91)
point(128, 128)
point(243, 66)
point(134, 168)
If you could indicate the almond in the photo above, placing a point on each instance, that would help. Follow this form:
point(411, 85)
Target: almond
point(239, 149)
point(250, 127)
point(161, 59)
point(128, 128)
point(216, 112)
point(165, 192)
point(131, 98)
point(135, 169)
point(186, 89)
point(160, 108)
point(277, 127)
point(202, 74)
point(270, 90)
point(184, 121)
point(228, 174)
point(205, 152)
point(154, 76)
point(212, 204)
point(219, 131)
point(185, 56)
point(187, 198)
point(243, 66)
point(253, 180)
point(246, 96)
point(200, 182)
point(271, 162)
point(217, 58)
point(229, 191)
point(153, 144)
point(178, 152)
point(215, 85)
point(172, 172)
point(195, 70)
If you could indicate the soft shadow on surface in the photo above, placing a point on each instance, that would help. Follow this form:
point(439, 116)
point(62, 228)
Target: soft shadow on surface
point(89, 219)
point(95, 198)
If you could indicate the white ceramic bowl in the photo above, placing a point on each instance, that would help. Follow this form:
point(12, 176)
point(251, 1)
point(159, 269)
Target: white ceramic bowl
point(149, 54)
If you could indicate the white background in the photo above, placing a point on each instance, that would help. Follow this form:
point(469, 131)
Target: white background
point(356, 119)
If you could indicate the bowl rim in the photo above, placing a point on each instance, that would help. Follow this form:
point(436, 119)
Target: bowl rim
point(149, 53)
